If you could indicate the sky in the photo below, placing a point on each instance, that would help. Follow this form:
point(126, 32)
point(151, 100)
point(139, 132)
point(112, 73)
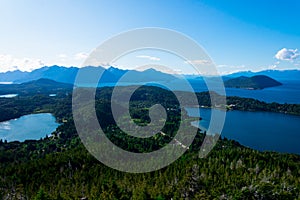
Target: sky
point(237, 35)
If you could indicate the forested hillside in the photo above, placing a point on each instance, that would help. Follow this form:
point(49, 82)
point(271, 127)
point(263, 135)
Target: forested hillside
point(59, 167)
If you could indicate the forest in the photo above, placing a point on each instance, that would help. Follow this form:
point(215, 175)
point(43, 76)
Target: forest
point(59, 167)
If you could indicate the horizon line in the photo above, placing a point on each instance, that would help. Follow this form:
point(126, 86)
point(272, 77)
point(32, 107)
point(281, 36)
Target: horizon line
point(184, 74)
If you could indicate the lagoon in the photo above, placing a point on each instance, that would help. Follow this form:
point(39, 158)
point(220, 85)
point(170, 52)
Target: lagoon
point(8, 95)
point(28, 127)
point(263, 131)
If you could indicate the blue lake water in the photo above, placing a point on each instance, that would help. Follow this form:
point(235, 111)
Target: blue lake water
point(8, 95)
point(6, 82)
point(289, 92)
point(257, 130)
point(34, 126)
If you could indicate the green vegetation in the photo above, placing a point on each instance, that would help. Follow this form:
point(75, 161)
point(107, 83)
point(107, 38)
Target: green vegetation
point(40, 86)
point(59, 167)
point(248, 104)
point(254, 82)
point(230, 171)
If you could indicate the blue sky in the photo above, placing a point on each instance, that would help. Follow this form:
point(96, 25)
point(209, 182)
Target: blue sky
point(237, 35)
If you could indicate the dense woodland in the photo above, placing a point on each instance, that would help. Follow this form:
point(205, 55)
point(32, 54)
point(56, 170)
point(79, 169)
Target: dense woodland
point(60, 105)
point(59, 167)
point(255, 82)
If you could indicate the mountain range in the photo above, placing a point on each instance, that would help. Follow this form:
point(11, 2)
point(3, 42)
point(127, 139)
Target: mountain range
point(68, 75)
point(112, 75)
point(275, 74)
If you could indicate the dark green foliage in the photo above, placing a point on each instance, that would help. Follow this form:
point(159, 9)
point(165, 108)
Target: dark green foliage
point(59, 167)
point(41, 195)
point(254, 82)
point(230, 171)
point(247, 104)
point(40, 86)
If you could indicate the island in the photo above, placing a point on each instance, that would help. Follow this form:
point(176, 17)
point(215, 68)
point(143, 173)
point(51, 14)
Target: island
point(257, 82)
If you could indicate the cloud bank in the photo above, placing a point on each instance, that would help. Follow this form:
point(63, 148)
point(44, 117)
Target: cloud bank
point(287, 54)
point(149, 57)
point(10, 63)
point(198, 62)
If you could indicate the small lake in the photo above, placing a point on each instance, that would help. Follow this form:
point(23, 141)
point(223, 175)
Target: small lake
point(6, 83)
point(257, 130)
point(8, 95)
point(33, 127)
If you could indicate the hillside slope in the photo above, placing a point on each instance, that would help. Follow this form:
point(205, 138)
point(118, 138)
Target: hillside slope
point(254, 82)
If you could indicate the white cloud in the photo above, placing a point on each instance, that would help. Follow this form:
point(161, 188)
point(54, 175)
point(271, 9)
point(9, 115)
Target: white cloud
point(11, 63)
point(222, 66)
point(62, 56)
point(272, 67)
point(156, 67)
point(81, 56)
point(297, 64)
point(198, 62)
point(229, 69)
point(231, 66)
point(149, 57)
point(287, 54)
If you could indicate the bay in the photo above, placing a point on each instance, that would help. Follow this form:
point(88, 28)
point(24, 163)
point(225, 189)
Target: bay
point(33, 127)
point(263, 131)
point(288, 92)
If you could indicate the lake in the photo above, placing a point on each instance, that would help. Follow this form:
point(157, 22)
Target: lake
point(8, 95)
point(34, 126)
point(257, 130)
point(6, 83)
point(288, 92)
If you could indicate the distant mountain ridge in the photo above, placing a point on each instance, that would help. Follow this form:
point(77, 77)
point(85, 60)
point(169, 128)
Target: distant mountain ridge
point(68, 75)
point(254, 82)
point(57, 73)
point(113, 75)
point(12, 75)
point(275, 74)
